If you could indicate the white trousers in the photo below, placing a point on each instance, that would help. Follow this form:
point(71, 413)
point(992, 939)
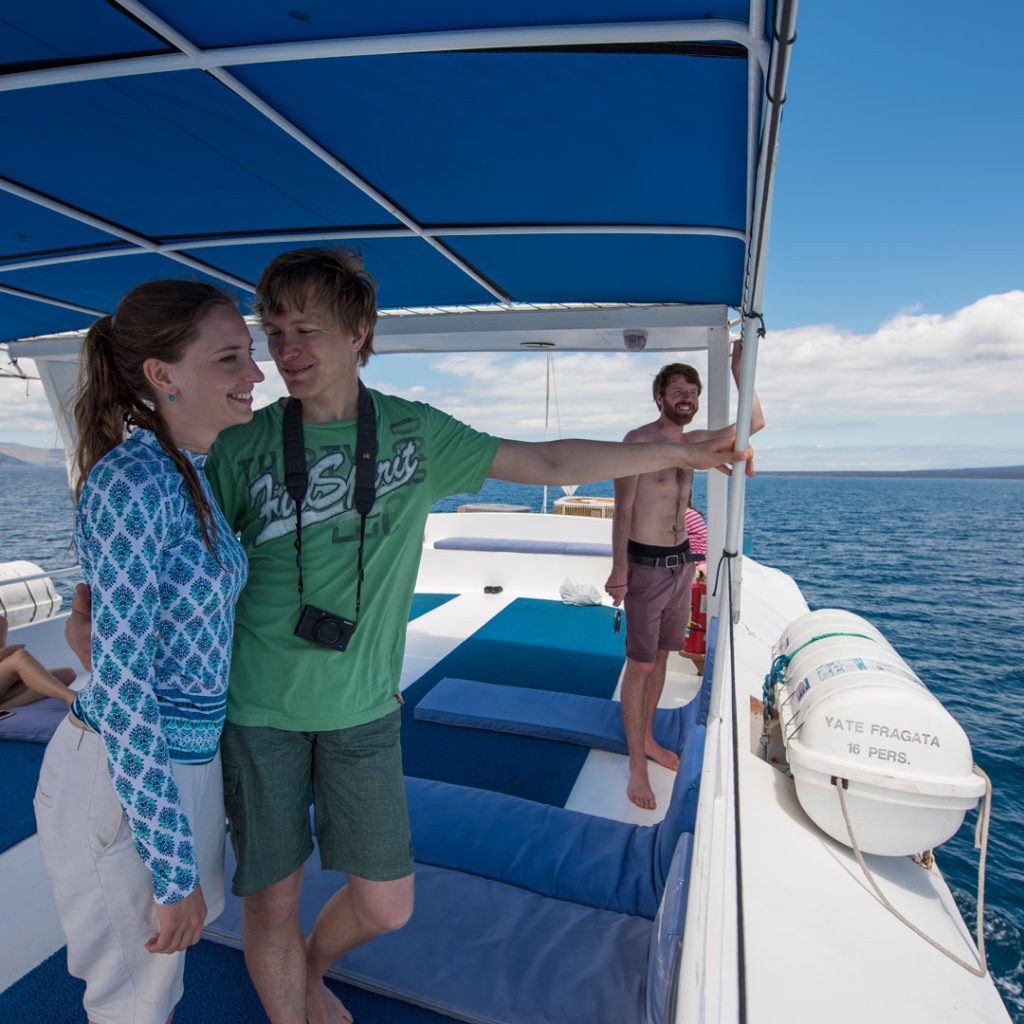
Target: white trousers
point(103, 891)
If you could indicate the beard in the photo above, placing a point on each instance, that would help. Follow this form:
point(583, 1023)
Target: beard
point(680, 417)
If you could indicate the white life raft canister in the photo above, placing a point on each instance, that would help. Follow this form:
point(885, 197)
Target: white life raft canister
point(851, 708)
point(28, 601)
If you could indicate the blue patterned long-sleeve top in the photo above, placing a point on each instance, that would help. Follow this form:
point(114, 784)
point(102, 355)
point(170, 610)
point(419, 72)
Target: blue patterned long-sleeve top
point(162, 618)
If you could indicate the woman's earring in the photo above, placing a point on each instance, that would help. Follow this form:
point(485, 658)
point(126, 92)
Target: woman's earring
point(170, 396)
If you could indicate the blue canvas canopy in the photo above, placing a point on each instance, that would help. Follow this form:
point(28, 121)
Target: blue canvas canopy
point(506, 154)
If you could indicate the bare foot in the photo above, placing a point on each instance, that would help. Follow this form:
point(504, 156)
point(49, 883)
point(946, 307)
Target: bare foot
point(639, 789)
point(662, 755)
point(323, 1006)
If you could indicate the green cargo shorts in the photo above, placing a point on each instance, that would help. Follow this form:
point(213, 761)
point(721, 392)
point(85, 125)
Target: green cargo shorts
point(360, 811)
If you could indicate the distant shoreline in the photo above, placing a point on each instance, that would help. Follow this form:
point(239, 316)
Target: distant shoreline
point(984, 473)
point(26, 457)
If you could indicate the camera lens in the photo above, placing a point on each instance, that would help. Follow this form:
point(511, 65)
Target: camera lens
point(328, 632)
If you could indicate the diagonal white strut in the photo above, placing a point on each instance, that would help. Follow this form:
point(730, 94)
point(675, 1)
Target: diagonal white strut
point(195, 54)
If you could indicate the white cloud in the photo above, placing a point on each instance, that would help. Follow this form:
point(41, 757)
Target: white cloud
point(593, 394)
point(25, 416)
point(940, 385)
point(971, 362)
point(269, 390)
point(917, 368)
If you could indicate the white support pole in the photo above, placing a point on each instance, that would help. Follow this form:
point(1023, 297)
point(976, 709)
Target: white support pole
point(738, 480)
point(718, 416)
point(753, 290)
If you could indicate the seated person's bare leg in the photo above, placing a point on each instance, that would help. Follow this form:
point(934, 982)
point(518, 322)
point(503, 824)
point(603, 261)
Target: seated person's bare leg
point(356, 913)
point(24, 680)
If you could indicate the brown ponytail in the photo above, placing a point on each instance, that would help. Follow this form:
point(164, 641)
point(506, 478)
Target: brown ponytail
point(156, 320)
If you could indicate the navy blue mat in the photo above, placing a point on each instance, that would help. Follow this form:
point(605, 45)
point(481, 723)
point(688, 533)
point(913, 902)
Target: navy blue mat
point(552, 851)
point(19, 770)
point(490, 952)
point(589, 721)
point(20, 761)
point(423, 603)
point(531, 643)
point(34, 723)
point(217, 991)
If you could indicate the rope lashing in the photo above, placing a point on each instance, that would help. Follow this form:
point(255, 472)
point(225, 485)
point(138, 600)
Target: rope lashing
point(777, 676)
point(762, 331)
point(726, 556)
point(980, 844)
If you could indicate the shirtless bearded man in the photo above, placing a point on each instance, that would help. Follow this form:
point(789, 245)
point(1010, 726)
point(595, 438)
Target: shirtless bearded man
point(652, 569)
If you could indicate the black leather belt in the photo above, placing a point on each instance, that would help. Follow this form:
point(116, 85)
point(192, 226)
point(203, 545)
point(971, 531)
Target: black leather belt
point(680, 556)
point(668, 561)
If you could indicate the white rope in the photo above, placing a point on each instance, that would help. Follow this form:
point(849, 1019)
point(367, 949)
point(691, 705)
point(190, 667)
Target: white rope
point(980, 843)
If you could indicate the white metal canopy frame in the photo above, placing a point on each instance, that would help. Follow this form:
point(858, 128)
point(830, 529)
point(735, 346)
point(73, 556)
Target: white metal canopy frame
point(102, 235)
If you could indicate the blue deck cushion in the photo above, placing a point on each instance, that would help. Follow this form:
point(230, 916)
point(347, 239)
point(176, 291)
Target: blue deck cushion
point(581, 858)
point(483, 951)
point(667, 933)
point(553, 851)
point(524, 546)
point(681, 815)
point(34, 723)
point(547, 714)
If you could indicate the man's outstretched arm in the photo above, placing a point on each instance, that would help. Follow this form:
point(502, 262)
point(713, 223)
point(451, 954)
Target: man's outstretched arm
point(756, 412)
point(581, 462)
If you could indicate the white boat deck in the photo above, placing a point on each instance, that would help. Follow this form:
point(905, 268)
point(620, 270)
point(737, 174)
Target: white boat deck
point(818, 944)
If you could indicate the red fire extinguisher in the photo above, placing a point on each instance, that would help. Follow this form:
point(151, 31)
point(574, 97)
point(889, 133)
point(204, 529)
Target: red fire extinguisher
point(696, 634)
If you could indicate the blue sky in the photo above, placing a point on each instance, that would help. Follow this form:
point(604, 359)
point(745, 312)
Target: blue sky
point(901, 165)
point(895, 288)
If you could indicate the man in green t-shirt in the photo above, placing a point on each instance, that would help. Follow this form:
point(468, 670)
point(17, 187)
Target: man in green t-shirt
point(301, 715)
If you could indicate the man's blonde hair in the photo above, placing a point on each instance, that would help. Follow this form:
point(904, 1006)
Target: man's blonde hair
point(331, 280)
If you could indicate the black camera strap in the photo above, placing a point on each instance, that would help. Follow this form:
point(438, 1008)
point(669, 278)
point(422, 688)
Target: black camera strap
point(296, 474)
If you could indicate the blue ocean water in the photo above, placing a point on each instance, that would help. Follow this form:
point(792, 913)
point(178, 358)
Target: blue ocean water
point(35, 520)
point(937, 565)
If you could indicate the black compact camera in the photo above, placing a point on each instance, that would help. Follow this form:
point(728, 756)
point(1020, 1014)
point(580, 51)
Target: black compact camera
point(323, 628)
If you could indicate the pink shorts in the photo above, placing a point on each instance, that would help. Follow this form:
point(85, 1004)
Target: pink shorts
point(657, 609)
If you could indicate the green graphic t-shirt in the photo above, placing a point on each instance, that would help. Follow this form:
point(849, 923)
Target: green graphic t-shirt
point(278, 679)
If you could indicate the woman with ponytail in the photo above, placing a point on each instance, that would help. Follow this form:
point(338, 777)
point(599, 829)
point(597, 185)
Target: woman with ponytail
point(129, 804)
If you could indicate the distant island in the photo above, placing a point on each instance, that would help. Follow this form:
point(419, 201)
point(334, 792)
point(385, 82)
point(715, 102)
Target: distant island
point(22, 455)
